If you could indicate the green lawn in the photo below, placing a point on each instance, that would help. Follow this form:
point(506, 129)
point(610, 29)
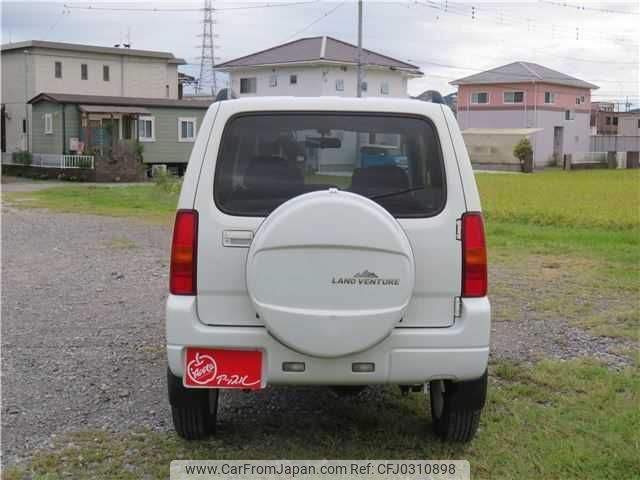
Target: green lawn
point(571, 238)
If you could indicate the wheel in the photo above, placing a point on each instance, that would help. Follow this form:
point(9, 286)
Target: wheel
point(456, 407)
point(194, 411)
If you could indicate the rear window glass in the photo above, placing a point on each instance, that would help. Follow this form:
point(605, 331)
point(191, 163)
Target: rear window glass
point(267, 159)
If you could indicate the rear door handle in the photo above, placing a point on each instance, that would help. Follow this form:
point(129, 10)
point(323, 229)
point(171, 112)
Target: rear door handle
point(237, 238)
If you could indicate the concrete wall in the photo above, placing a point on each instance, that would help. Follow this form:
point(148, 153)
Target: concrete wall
point(576, 133)
point(320, 80)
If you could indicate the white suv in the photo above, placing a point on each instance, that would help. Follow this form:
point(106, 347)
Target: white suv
point(300, 258)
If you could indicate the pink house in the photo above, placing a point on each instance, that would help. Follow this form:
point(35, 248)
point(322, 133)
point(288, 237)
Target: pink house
point(528, 95)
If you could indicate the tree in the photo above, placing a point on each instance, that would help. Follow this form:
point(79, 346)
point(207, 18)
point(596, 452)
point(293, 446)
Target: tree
point(523, 149)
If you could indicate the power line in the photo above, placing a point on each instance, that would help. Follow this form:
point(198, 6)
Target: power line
point(320, 18)
point(476, 13)
point(188, 9)
point(592, 9)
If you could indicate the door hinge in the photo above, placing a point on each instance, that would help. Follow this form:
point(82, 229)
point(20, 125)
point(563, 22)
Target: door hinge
point(457, 307)
point(459, 229)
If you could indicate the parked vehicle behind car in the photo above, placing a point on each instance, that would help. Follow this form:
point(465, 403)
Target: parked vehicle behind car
point(294, 262)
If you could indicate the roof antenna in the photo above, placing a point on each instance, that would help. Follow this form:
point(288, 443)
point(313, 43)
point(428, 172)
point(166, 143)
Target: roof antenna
point(128, 44)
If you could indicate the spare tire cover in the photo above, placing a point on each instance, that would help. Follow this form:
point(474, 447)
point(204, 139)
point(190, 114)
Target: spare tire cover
point(330, 273)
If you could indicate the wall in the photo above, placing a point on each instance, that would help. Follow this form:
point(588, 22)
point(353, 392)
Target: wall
point(565, 97)
point(53, 142)
point(628, 125)
point(545, 119)
point(17, 84)
point(320, 80)
point(128, 76)
point(166, 148)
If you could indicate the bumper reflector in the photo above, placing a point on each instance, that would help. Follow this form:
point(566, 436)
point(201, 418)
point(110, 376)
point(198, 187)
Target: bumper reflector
point(363, 367)
point(293, 366)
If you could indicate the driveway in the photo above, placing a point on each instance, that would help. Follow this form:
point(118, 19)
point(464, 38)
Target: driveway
point(83, 332)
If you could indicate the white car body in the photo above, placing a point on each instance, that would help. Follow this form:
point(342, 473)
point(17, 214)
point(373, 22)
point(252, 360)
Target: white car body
point(440, 336)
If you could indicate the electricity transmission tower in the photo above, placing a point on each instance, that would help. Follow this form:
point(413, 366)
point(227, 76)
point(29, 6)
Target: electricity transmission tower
point(207, 58)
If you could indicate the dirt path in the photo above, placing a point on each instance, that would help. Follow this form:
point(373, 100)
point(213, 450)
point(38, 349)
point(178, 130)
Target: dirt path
point(83, 331)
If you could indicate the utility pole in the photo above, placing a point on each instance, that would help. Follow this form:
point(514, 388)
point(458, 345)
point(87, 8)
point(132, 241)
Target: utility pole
point(207, 52)
point(359, 89)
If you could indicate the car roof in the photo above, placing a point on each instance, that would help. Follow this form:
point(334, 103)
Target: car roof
point(331, 104)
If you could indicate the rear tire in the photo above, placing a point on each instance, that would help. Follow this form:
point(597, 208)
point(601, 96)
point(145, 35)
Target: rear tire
point(194, 411)
point(456, 408)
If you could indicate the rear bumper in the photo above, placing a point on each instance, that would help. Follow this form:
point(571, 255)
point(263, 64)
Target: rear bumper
point(406, 356)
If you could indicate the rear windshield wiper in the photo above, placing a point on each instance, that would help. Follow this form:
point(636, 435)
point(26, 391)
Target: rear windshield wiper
point(399, 192)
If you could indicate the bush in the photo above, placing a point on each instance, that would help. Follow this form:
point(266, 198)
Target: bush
point(23, 158)
point(523, 149)
point(168, 182)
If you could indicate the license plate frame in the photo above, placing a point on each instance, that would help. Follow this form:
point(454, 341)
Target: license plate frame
point(223, 368)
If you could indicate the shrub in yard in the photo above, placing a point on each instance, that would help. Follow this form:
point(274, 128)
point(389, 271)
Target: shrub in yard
point(23, 157)
point(167, 182)
point(523, 149)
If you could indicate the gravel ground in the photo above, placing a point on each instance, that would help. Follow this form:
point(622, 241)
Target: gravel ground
point(83, 332)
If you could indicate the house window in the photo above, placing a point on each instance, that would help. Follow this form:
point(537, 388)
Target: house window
point(549, 97)
point(479, 97)
point(147, 129)
point(615, 120)
point(293, 79)
point(638, 123)
point(58, 69)
point(339, 85)
point(24, 125)
point(608, 121)
point(513, 97)
point(569, 115)
point(48, 123)
point(105, 73)
point(84, 72)
point(577, 100)
point(384, 88)
point(273, 81)
point(248, 85)
point(186, 129)
point(167, 91)
point(364, 86)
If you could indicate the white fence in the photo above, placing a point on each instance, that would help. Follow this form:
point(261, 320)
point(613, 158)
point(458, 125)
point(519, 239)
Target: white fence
point(48, 160)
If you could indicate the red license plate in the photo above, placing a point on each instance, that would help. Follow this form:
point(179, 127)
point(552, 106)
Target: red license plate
point(216, 368)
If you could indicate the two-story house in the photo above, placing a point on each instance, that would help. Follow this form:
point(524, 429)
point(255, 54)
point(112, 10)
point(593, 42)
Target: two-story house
point(318, 66)
point(61, 98)
point(527, 95)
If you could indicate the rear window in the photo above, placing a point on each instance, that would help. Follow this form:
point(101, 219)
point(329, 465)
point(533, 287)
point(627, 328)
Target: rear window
point(267, 159)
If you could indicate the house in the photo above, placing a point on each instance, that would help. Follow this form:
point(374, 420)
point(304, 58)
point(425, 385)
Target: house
point(318, 66)
point(32, 67)
point(604, 118)
point(166, 128)
point(61, 100)
point(528, 95)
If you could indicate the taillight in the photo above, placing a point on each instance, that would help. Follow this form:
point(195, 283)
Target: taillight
point(182, 276)
point(474, 256)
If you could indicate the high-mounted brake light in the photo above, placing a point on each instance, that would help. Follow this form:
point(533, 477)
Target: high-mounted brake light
point(184, 249)
point(474, 256)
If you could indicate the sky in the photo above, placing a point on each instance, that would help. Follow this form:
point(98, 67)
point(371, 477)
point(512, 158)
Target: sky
point(594, 41)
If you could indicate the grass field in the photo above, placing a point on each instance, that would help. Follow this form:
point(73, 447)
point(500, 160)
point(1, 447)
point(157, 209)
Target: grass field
point(555, 420)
